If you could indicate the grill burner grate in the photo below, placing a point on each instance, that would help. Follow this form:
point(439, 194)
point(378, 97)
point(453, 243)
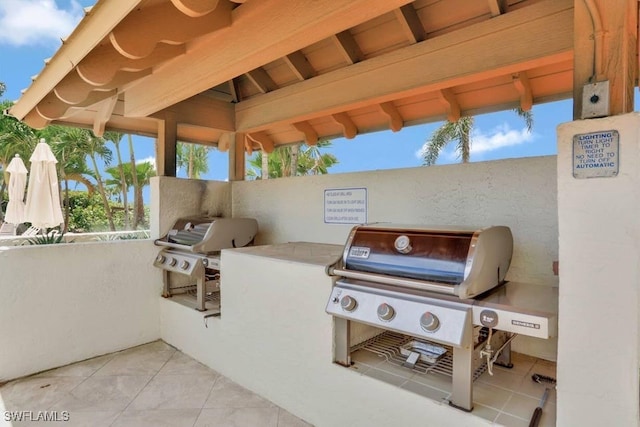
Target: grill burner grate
point(387, 345)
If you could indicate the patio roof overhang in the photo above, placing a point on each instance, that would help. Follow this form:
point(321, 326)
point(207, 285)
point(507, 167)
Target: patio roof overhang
point(267, 73)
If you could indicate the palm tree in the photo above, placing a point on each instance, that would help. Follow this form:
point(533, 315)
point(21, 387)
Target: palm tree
point(137, 202)
point(116, 137)
point(459, 131)
point(93, 147)
point(15, 138)
point(309, 160)
point(142, 178)
point(192, 158)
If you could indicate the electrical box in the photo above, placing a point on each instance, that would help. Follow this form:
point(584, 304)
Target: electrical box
point(595, 100)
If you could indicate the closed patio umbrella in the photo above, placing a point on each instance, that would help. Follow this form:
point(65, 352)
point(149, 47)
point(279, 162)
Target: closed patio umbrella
point(43, 196)
point(17, 184)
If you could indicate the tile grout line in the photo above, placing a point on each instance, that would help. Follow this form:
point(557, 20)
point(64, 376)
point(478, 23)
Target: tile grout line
point(208, 394)
point(144, 386)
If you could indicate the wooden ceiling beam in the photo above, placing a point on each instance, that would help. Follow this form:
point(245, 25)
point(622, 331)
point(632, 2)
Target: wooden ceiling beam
point(299, 65)
point(448, 99)
point(521, 82)
point(349, 129)
point(224, 143)
point(195, 8)
point(261, 80)
point(393, 115)
point(223, 55)
point(530, 37)
point(310, 134)
point(203, 111)
point(137, 35)
point(72, 89)
point(410, 23)
point(348, 47)
point(101, 65)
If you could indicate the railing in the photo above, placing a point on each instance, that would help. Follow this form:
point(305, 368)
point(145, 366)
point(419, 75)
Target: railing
point(79, 237)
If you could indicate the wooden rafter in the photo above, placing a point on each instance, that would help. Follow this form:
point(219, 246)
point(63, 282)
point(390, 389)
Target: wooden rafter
point(35, 120)
point(261, 80)
point(521, 82)
point(72, 89)
point(513, 43)
point(310, 134)
point(203, 67)
point(410, 23)
point(103, 115)
point(101, 65)
point(349, 129)
point(448, 99)
point(248, 145)
point(299, 65)
point(138, 35)
point(263, 140)
point(393, 115)
point(195, 8)
point(348, 47)
point(497, 7)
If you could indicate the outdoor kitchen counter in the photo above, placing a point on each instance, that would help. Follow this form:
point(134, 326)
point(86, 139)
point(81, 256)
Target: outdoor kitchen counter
point(275, 338)
point(303, 252)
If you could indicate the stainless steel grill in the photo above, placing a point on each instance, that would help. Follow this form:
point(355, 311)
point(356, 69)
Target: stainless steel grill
point(441, 290)
point(190, 258)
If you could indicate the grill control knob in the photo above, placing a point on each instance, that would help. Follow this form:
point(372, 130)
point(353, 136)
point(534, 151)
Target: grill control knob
point(348, 303)
point(161, 259)
point(173, 262)
point(429, 322)
point(403, 244)
point(184, 265)
point(386, 312)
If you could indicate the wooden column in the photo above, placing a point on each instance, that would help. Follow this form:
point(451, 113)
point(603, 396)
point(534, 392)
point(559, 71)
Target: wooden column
point(605, 48)
point(166, 145)
point(236, 157)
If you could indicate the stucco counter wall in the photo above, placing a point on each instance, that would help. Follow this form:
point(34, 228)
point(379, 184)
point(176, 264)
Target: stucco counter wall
point(64, 303)
point(275, 338)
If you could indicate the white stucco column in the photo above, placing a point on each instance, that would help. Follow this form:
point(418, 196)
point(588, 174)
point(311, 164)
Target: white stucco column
point(599, 247)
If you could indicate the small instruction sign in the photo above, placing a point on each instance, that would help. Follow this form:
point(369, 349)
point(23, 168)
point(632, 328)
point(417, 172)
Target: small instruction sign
point(345, 206)
point(595, 154)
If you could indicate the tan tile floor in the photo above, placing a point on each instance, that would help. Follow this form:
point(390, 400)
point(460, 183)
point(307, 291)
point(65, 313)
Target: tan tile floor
point(151, 385)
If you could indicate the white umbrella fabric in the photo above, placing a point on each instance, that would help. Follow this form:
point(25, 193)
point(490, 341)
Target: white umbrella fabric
point(43, 197)
point(17, 184)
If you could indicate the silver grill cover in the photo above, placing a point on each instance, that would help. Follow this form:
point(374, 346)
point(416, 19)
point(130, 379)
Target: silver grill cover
point(458, 261)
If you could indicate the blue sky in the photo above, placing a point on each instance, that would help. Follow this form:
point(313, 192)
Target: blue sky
point(31, 32)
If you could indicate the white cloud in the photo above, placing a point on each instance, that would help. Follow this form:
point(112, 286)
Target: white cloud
point(37, 22)
point(150, 159)
point(501, 137)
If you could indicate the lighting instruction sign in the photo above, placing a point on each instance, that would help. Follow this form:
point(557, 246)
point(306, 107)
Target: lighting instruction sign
point(595, 154)
point(345, 206)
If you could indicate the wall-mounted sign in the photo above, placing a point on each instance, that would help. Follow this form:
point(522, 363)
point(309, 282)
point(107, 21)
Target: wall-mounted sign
point(345, 206)
point(595, 154)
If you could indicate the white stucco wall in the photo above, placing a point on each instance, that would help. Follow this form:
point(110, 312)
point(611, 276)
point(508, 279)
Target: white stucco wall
point(173, 198)
point(599, 278)
point(519, 193)
point(60, 304)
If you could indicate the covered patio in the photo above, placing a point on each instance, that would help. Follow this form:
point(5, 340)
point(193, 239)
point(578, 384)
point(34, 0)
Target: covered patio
point(249, 75)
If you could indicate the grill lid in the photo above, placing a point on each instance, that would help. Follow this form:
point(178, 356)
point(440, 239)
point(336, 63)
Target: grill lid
point(461, 261)
point(206, 234)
